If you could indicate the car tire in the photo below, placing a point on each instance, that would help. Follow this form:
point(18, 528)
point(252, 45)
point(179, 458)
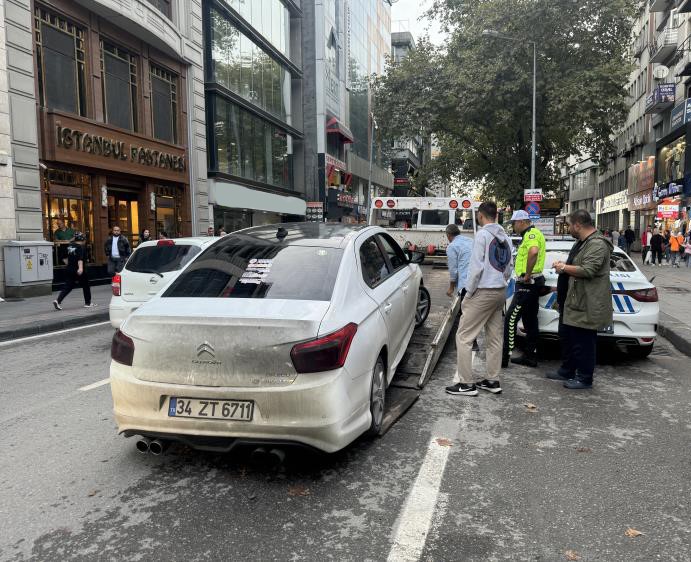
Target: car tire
point(377, 397)
point(424, 304)
point(639, 351)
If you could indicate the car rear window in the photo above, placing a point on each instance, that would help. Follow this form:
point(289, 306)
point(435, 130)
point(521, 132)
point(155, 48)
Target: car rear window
point(246, 268)
point(161, 259)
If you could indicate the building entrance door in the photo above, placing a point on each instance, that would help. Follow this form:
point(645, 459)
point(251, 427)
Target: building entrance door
point(123, 211)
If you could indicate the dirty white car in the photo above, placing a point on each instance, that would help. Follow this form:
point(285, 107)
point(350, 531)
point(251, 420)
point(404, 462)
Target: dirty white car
point(275, 334)
point(151, 267)
point(634, 301)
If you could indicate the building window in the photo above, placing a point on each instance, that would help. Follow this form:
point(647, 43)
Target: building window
point(163, 6)
point(269, 17)
point(241, 66)
point(119, 79)
point(164, 103)
point(61, 60)
point(249, 147)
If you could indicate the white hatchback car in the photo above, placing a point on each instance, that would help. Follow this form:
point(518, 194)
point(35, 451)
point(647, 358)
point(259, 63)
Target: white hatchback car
point(634, 300)
point(150, 268)
point(275, 334)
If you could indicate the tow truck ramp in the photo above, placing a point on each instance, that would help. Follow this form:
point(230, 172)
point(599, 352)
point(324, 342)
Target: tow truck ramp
point(425, 348)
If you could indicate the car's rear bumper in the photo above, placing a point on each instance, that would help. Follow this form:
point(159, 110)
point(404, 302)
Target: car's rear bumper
point(316, 410)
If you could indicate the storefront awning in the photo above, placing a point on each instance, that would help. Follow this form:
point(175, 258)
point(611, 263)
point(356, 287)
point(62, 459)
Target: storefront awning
point(235, 196)
point(334, 126)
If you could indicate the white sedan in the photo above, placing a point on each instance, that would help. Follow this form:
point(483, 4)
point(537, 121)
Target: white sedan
point(634, 300)
point(275, 334)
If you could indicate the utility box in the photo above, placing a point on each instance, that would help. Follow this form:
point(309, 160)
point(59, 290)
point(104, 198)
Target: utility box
point(28, 268)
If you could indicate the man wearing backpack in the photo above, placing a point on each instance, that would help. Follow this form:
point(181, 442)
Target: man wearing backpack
point(490, 270)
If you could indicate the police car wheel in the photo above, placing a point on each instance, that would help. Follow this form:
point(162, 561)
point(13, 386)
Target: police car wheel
point(424, 303)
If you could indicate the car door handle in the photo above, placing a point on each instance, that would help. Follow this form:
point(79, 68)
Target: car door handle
point(387, 308)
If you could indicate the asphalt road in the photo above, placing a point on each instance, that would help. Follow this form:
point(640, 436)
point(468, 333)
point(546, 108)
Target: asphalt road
point(457, 478)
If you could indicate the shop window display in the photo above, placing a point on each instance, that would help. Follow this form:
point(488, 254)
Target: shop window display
point(671, 162)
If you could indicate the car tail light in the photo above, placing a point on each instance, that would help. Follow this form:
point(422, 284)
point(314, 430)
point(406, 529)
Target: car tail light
point(647, 340)
point(641, 295)
point(117, 285)
point(122, 349)
point(166, 242)
point(324, 354)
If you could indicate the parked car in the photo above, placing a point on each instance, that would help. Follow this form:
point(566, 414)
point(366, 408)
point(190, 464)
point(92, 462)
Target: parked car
point(150, 268)
point(274, 334)
point(634, 300)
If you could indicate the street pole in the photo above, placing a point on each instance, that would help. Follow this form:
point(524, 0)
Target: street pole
point(532, 161)
point(371, 158)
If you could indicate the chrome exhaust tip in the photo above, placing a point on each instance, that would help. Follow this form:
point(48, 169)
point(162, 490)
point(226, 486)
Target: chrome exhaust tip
point(158, 447)
point(143, 444)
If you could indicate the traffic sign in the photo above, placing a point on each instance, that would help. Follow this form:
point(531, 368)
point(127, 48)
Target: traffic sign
point(532, 195)
point(533, 209)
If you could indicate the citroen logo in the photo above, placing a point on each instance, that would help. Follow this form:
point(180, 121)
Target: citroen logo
point(206, 347)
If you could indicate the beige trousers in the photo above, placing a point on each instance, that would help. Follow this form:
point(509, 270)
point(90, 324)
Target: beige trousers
point(482, 310)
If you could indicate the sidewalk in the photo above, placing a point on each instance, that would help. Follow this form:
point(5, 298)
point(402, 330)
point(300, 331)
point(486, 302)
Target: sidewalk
point(27, 317)
point(674, 291)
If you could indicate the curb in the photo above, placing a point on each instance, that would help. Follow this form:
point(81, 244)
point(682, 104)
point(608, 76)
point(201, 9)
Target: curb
point(678, 333)
point(52, 326)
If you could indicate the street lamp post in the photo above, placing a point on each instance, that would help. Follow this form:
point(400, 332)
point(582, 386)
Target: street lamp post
point(371, 158)
point(496, 34)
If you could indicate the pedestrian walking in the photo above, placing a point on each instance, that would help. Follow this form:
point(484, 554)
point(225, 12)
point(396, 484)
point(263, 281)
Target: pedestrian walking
point(645, 243)
point(666, 246)
point(630, 237)
point(490, 270)
point(530, 262)
point(145, 236)
point(76, 272)
point(458, 254)
point(615, 238)
point(585, 301)
point(118, 249)
point(657, 242)
point(676, 244)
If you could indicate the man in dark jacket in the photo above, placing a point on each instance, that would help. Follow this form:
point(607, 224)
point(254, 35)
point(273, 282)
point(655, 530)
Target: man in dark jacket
point(629, 236)
point(76, 272)
point(117, 249)
point(585, 301)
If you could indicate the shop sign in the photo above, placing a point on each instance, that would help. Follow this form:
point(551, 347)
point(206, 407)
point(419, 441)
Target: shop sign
point(641, 176)
point(641, 201)
point(110, 147)
point(681, 114)
point(532, 195)
point(668, 209)
point(315, 211)
point(335, 162)
point(663, 94)
point(614, 202)
point(669, 190)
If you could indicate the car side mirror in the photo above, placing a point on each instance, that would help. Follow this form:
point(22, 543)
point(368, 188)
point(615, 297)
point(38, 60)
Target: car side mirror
point(416, 257)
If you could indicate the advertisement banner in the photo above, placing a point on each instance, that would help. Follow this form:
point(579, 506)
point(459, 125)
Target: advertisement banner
point(532, 195)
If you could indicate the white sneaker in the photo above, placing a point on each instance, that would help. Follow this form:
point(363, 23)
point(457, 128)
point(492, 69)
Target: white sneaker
point(92, 305)
point(57, 306)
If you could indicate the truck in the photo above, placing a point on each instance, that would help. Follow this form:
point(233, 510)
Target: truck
point(419, 223)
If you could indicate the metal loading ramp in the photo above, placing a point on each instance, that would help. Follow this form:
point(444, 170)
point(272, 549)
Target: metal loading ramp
point(425, 347)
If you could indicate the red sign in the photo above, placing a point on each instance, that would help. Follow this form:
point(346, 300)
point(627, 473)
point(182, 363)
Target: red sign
point(453, 204)
point(379, 203)
point(466, 204)
point(391, 203)
point(401, 180)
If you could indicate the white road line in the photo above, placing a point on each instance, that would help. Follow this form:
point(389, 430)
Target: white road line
point(39, 336)
point(416, 518)
point(94, 385)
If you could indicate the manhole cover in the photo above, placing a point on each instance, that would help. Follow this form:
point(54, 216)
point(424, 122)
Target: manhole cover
point(675, 289)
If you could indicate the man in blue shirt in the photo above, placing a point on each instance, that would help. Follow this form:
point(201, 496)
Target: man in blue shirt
point(458, 254)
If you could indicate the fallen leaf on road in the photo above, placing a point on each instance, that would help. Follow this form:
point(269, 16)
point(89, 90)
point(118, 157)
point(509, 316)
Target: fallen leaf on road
point(572, 555)
point(632, 533)
point(584, 450)
point(442, 442)
point(531, 407)
point(92, 494)
point(298, 491)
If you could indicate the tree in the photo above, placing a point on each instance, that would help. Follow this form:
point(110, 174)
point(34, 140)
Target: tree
point(475, 93)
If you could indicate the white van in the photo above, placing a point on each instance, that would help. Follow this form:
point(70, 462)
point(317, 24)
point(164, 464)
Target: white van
point(150, 268)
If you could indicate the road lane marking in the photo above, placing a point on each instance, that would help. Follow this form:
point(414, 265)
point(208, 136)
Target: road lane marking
point(95, 385)
point(416, 518)
point(65, 331)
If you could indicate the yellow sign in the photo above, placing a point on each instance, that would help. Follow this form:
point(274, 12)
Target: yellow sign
point(29, 265)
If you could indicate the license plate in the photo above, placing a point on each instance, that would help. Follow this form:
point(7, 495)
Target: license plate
point(202, 408)
point(608, 330)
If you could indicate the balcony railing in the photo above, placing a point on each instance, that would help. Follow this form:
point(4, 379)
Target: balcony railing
point(683, 66)
point(683, 6)
point(665, 45)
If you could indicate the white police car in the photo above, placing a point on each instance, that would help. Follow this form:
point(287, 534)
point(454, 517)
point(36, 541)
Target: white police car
point(634, 300)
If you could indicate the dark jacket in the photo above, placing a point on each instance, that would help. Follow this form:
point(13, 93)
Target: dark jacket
point(630, 236)
point(656, 242)
point(124, 248)
point(589, 299)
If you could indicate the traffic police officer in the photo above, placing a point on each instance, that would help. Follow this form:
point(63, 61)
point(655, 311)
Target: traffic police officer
point(530, 261)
